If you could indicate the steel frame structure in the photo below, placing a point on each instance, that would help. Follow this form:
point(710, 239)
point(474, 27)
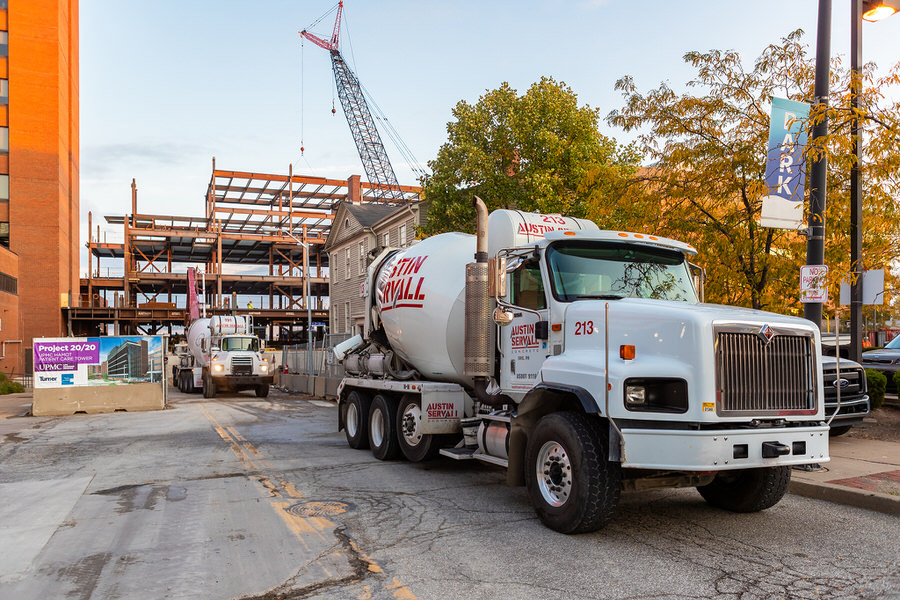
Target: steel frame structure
point(246, 244)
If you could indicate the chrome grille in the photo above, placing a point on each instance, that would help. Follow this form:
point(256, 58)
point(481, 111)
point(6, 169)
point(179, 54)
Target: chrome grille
point(853, 397)
point(764, 379)
point(242, 365)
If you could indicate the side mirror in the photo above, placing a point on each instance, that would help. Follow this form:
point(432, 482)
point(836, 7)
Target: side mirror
point(497, 277)
point(502, 317)
point(698, 274)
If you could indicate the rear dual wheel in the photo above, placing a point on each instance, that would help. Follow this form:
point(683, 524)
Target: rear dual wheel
point(356, 419)
point(383, 428)
point(415, 445)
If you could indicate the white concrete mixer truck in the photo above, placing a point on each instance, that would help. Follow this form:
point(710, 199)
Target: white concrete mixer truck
point(583, 362)
point(223, 355)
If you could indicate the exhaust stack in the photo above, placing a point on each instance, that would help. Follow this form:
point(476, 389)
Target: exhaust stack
point(478, 303)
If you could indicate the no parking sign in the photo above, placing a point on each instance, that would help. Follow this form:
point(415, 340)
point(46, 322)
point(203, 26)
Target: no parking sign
point(813, 283)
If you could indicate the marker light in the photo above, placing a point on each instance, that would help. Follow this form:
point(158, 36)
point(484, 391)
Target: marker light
point(627, 352)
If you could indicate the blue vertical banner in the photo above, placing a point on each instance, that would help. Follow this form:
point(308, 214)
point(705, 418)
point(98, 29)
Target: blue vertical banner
point(785, 165)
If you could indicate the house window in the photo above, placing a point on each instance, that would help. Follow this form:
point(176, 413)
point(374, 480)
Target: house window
point(386, 240)
point(347, 263)
point(348, 322)
point(402, 243)
point(362, 258)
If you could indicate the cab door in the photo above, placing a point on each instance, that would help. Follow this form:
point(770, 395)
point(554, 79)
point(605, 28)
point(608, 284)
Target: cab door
point(523, 344)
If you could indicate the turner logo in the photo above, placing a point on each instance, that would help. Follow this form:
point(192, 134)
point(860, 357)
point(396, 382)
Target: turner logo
point(403, 287)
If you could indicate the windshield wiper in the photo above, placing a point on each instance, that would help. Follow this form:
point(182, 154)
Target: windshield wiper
point(599, 297)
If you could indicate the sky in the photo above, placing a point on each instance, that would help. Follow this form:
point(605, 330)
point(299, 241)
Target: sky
point(166, 85)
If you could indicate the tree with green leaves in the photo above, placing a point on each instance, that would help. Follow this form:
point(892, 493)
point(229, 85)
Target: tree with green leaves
point(538, 151)
point(707, 151)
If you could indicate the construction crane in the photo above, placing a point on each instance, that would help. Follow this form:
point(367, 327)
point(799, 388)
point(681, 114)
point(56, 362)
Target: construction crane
point(371, 150)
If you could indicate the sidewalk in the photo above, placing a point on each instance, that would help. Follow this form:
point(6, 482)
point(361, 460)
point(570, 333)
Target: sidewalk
point(862, 473)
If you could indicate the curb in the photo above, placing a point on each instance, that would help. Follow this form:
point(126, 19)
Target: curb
point(874, 501)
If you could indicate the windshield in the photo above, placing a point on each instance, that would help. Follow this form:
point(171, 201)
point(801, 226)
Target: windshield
point(230, 344)
point(894, 344)
point(596, 269)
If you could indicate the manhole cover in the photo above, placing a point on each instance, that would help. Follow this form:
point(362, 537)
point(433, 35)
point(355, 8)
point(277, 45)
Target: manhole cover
point(318, 509)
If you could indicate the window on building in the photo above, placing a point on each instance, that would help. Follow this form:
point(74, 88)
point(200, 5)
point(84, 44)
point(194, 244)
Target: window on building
point(4, 188)
point(386, 240)
point(4, 234)
point(362, 258)
point(348, 322)
point(347, 263)
point(4, 139)
point(402, 242)
point(4, 91)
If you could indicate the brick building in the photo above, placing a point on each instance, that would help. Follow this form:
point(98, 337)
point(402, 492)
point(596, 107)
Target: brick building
point(39, 158)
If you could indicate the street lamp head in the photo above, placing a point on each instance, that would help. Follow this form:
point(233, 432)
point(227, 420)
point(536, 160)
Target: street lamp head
point(876, 10)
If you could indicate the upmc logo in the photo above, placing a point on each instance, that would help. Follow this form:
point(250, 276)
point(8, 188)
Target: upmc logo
point(403, 288)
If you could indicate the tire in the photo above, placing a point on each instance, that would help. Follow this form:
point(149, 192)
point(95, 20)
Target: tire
point(839, 430)
point(573, 486)
point(262, 390)
point(748, 490)
point(416, 446)
point(383, 428)
point(356, 420)
point(209, 388)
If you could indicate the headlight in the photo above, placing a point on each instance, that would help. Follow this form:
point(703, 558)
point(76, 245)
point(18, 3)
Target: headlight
point(218, 368)
point(656, 395)
point(635, 395)
point(263, 367)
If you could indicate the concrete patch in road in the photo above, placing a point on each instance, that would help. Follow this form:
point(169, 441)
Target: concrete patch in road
point(26, 526)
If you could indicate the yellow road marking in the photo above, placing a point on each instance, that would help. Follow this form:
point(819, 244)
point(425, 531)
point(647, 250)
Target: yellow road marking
point(299, 526)
point(402, 592)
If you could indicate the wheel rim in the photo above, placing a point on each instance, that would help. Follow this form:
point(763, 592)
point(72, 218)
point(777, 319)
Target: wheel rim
point(376, 434)
point(553, 472)
point(352, 420)
point(411, 423)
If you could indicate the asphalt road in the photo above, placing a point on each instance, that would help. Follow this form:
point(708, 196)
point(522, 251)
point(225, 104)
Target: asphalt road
point(240, 497)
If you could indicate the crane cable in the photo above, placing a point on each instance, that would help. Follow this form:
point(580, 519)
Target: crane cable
point(393, 134)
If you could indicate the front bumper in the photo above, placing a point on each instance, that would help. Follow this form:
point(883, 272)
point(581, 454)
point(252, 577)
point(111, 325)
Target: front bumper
point(717, 450)
point(232, 380)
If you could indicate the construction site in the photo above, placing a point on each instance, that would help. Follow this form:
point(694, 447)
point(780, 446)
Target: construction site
point(259, 245)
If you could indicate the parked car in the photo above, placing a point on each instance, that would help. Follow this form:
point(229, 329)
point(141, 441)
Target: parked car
point(854, 394)
point(886, 360)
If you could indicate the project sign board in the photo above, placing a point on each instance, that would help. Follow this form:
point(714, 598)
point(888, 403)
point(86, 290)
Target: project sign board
point(63, 362)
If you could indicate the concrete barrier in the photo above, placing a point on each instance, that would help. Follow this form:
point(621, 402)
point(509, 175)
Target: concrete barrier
point(97, 399)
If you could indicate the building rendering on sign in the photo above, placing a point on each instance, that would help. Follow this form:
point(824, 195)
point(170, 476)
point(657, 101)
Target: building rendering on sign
point(130, 360)
point(39, 162)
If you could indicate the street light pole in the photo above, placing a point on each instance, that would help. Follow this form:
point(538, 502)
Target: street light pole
point(815, 245)
point(856, 216)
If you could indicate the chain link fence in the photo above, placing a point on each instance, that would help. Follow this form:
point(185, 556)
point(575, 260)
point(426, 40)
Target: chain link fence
point(296, 358)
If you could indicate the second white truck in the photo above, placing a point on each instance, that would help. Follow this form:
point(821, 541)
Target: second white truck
point(223, 354)
point(584, 362)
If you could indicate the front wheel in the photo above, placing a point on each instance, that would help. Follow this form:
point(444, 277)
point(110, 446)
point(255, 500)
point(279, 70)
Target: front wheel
point(838, 430)
point(573, 485)
point(415, 445)
point(209, 388)
point(747, 490)
point(262, 390)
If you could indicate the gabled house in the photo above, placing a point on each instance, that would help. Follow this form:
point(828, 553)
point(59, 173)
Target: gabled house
point(358, 233)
